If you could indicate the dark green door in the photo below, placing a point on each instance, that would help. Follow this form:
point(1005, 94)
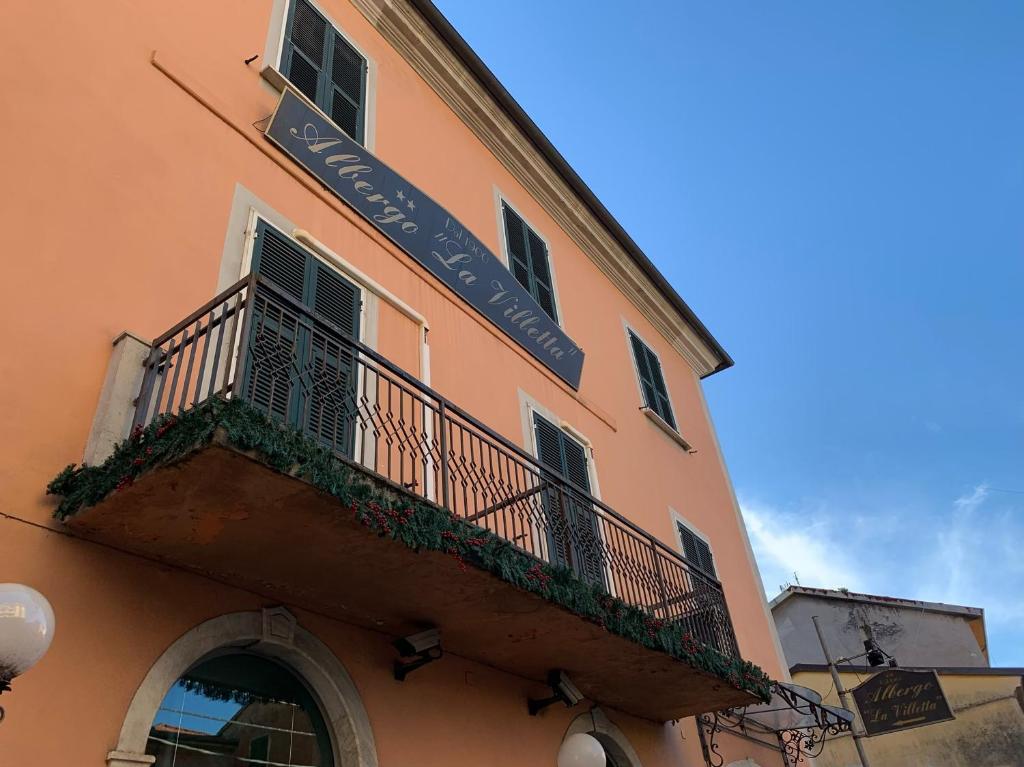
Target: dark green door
point(573, 537)
point(300, 368)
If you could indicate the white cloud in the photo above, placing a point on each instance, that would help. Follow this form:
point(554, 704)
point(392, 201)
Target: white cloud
point(792, 546)
point(977, 558)
point(967, 553)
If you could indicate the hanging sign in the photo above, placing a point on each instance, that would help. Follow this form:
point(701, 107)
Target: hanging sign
point(898, 700)
point(424, 230)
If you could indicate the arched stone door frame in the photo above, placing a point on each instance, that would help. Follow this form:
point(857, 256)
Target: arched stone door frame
point(595, 722)
point(276, 634)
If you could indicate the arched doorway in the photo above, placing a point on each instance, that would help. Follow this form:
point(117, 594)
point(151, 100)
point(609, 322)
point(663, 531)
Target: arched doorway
point(300, 667)
point(238, 706)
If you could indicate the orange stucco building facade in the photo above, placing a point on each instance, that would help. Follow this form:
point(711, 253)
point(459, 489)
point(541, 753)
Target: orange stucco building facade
point(137, 177)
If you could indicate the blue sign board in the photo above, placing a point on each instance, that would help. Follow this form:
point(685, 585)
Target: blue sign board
point(424, 230)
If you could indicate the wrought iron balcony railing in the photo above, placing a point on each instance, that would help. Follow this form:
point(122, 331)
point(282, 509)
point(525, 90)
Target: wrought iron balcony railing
point(256, 342)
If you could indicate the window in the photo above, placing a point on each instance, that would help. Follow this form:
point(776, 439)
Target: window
point(573, 538)
point(528, 260)
point(239, 708)
point(321, 64)
point(652, 382)
point(696, 550)
point(298, 367)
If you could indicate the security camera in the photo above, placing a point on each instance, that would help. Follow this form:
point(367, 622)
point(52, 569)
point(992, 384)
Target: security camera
point(562, 685)
point(417, 644)
point(562, 689)
point(422, 648)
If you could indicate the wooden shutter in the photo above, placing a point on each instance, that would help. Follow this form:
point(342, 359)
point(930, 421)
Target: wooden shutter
point(572, 525)
point(518, 255)
point(588, 553)
point(281, 261)
point(335, 299)
point(332, 396)
point(549, 453)
point(305, 53)
point(299, 368)
point(576, 470)
point(276, 341)
point(652, 380)
point(549, 444)
point(696, 551)
point(321, 64)
point(347, 86)
point(529, 261)
point(541, 269)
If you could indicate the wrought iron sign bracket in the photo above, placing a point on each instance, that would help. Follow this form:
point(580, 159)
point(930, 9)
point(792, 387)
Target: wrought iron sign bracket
point(812, 725)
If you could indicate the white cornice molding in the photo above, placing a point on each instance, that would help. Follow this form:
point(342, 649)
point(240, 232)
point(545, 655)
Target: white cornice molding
point(413, 37)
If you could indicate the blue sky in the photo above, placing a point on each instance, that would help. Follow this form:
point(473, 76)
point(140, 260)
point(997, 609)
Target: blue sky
point(837, 189)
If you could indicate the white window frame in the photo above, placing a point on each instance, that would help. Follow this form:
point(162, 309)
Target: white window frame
point(236, 260)
point(679, 519)
point(675, 433)
point(345, 272)
point(368, 308)
point(501, 199)
point(273, 50)
point(528, 407)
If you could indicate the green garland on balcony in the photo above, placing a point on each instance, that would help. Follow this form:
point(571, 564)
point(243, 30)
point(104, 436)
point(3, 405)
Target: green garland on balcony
point(388, 512)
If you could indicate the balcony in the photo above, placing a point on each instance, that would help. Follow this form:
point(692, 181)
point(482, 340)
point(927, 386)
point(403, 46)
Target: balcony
point(272, 451)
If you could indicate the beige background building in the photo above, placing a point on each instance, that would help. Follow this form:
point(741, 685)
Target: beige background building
point(988, 728)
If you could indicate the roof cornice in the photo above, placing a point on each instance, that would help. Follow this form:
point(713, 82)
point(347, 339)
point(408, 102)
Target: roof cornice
point(458, 75)
point(874, 599)
point(797, 668)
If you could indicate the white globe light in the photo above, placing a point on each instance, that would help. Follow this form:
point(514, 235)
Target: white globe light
point(26, 628)
point(581, 750)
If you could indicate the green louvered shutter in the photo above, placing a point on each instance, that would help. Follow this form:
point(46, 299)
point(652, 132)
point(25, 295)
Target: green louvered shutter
point(541, 269)
point(305, 51)
point(696, 551)
point(298, 370)
point(588, 554)
point(346, 88)
point(276, 336)
point(332, 396)
point(322, 65)
point(573, 536)
point(652, 380)
point(529, 261)
point(549, 453)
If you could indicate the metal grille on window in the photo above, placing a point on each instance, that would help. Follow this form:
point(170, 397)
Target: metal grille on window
point(307, 36)
point(345, 115)
point(347, 70)
point(308, 32)
point(303, 76)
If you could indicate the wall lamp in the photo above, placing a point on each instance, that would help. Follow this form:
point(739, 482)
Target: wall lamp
point(562, 691)
point(26, 630)
point(416, 651)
